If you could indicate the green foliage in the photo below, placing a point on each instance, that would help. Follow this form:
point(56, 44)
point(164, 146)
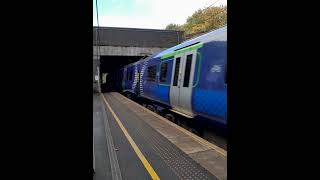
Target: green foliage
point(175, 27)
point(202, 21)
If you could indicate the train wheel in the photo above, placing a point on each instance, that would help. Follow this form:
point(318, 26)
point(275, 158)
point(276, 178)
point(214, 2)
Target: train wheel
point(161, 113)
point(150, 107)
point(197, 132)
point(178, 122)
point(199, 129)
point(184, 125)
point(170, 117)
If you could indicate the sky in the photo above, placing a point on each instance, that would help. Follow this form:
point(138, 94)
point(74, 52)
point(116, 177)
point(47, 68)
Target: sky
point(150, 14)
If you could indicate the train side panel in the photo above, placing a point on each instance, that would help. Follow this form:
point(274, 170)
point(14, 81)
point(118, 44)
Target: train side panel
point(209, 97)
point(151, 86)
point(209, 94)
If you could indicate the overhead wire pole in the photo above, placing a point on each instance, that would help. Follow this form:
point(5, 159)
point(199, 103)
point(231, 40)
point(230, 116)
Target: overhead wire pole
point(206, 7)
point(97, 57)
point(98, 47)
point(212, 4)
point(216, 14)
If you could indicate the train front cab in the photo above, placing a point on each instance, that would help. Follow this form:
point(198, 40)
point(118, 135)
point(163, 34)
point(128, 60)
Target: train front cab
point(130, 81)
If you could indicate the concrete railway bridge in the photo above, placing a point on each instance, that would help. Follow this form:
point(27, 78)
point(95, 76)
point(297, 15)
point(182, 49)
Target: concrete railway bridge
point(115, 47)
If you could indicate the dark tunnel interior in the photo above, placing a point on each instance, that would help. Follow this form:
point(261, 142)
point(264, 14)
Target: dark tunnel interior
point(108, 65)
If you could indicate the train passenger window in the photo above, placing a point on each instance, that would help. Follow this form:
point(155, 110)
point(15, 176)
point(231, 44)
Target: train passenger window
point(187, 71)
point(163, 72)
point(176, 72)
point(151, 73)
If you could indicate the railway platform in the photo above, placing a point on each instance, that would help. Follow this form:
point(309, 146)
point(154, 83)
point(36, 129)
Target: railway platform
point(132, 142)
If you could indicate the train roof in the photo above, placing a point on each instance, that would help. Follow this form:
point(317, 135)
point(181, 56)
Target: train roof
point(214, 35)
point(141, 60)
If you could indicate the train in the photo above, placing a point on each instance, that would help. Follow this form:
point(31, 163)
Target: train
point(189, 79)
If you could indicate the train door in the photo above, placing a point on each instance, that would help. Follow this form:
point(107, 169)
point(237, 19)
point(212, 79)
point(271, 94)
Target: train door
point(182, 82)
point(175, 85)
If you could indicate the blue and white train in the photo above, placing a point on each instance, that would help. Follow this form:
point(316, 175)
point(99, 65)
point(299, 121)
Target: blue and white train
point(189, 79)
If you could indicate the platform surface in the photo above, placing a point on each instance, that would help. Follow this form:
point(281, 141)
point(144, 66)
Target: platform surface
point(171, 151)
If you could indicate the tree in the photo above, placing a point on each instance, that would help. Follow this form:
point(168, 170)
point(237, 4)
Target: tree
point(172, 26)
point(202, 21)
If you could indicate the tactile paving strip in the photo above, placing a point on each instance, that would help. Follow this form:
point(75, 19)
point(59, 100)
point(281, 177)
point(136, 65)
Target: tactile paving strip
point(179, 162)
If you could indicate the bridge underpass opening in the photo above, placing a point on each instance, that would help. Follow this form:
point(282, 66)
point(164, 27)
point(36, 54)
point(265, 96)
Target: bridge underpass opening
point(109, 65)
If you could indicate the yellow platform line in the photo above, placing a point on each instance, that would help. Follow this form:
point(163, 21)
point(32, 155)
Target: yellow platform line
point(144, 161)
point(195, 137)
